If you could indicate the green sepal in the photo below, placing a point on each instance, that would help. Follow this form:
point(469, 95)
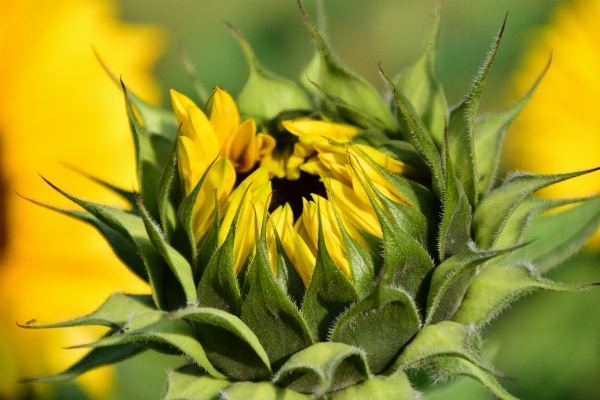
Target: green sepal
point(416, 133)
point(418, 196)
point(209, 244)
point(260, 391)
point(449, 367)
point(120, 245)
point(363, 264)
point(131, 227)
point(451, 279)
point(406, 262)
point(493, 211)
point(270, 314)
point(152, 153)
point(185, 214)
point(229, 343)
point(497, 286)
point(287, 276)
point(396, 387)
point(339, 81)
point(444, 339)
point(348, 112)
point(265, 95)
point(323, 367)
point(421, 86)
point(455, 227)
point(178, 264)
point(191, 383)
point(113, 313)
point(126, 194)
point(461, 124)
point(380, 324)
point(156, 119)
point(159, 327)
point(328, 295)
point(489, 133)
point(313, 68)
point(218, 287)
point(201, 90)
point(96, 358)
point(522, 216)
point(167, 193)
point(571, 227)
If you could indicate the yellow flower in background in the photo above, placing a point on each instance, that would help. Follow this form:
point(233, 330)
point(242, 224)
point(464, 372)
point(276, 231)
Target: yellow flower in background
point(56, 104)
point(559, 130)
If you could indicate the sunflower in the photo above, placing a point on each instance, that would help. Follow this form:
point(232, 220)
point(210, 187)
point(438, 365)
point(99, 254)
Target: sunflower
point(56, 104)
point(328, 251)
point(559, 130)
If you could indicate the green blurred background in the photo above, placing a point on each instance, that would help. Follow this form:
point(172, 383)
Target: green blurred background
point(549, 341)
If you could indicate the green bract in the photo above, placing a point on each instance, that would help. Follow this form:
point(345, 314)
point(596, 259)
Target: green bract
point(460, 251)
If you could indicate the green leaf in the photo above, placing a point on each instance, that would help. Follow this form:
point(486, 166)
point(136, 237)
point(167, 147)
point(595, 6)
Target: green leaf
point(328, 295)
point(131, 227)
point(395, 387)
point(323, 367)
point(270, 313)
point(167, 194)
point(340, 81)
point(218, 287)
point(417, 134)
point(229, 343)
point(158, 327)
point(121, 246)
point(448, 367)
point(450, 281)
point(406, 262)
point(380, 324)
point(313, 67)
point(265, 95)
point(156, 119)
point(489, 134)
point(497, 286)
point(260, 391)
point(461, 125)
point(178, 264)
point(455, 227)
point(493, 211)
point(422, 87)
point(444, 339)
point(524, 214)
point(191, 383)
point(152, 153)
point(405, 152)
point(94, 359)
point(113, 313)
point(556, 237)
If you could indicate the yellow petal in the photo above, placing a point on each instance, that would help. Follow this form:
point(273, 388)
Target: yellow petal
point(241, 146)
point(191, 166)
point(181, 103)
point(252, 184)
point(358, 212)
point(203, 135)
point(292, 167)
point(218, 183)
point(265, 144)
point(224, 115)
point(331, 130)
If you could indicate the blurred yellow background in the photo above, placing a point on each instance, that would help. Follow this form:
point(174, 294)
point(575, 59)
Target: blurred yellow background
point(57, 105)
